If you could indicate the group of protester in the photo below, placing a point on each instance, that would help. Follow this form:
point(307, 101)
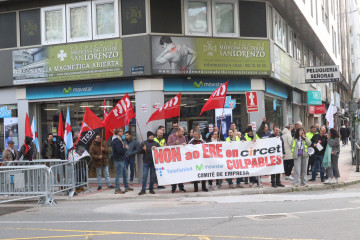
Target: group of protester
point(302, 151)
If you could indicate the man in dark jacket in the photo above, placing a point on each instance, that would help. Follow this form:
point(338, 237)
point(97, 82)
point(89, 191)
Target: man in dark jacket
point(148, 163)
point(119, 158)
point(319, 139)
point(99, 153)
point(343, 134)
point(28, 150)
point(275, 178)
point(197, 140)
point(263, 131)
point(49, 148)
point(130, 154)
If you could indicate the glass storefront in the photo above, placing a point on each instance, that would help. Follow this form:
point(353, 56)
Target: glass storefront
point(274, 112)
point(8, 126)
point(191, 105)
point(49, 120)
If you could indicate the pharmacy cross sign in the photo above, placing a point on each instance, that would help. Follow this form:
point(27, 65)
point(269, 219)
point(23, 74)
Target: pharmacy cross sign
point(251, 102)
point(62, 55)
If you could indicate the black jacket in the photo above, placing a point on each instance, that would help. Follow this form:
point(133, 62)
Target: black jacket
point(147, 156)
point(118, 149)
point(317, 139)
point(282, 143)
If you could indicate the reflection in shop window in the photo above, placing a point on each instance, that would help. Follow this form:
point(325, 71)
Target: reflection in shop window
point(197, 17)
point(224, 18)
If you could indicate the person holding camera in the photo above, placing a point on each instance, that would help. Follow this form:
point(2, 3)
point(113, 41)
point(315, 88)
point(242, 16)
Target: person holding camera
point(299, 151)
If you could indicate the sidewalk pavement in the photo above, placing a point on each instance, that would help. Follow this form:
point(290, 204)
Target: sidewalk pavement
point(348, 176)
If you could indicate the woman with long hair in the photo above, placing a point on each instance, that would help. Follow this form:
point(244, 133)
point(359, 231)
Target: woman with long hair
point(333, 170)
point(299, 150)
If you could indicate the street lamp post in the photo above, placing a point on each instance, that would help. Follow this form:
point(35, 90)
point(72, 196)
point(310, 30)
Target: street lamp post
point(351, 103)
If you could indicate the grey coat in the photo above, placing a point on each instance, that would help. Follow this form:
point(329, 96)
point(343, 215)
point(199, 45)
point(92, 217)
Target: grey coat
point(335, 144)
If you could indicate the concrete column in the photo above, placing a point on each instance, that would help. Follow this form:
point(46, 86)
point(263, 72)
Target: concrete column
point(147, 93)
point(23, 108)
point(258, 85)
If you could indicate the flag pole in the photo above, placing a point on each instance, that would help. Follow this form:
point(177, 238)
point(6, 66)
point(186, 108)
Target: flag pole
point(222, 116)
point(142, 139)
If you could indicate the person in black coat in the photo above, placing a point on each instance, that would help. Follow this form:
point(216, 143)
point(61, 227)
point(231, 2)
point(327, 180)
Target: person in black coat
point(343, 134)
point(148, 163)
point(275, 178)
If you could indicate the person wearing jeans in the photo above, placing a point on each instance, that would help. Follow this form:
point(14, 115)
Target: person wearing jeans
point(148, 163)
point(288, 160)
point(99, 153)
point(299, 151)
point(130, 154)
point(319, 139)
point(119, 149)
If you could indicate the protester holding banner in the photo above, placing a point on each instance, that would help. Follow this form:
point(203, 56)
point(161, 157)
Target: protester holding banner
point(249, 136)
point(162, 142)
point(133, 148)
point(275, 178)
point(119, 158)
point(99, 153)
point(198, 140)
point(233, 138)
point(299, 151)
point(213, 138)
point(10, 153)
point(177, 138)
point(148, 163)
point(288, 160)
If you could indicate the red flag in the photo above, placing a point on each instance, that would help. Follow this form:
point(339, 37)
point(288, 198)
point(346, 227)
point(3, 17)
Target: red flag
point(168, 110)
point(108, 132)
point(121, 114)
point(61, 127)
point(217, 99)
point(28, 132)
point(90, 127)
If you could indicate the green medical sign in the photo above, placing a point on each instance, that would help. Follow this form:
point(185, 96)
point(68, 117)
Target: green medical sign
point(88, 60)
point(182, 55)
point(314, 98)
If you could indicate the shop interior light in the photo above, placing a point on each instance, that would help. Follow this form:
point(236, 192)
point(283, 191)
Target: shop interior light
point(106, 106)
point(50, 109)
point(183, 104)
point(89, 106)
point(206, 99)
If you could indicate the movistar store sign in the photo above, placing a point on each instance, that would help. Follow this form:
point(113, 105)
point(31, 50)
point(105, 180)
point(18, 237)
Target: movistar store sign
point(205, 85)
point(80, 89)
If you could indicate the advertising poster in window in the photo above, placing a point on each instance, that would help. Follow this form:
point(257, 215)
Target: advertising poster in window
point(181, 55)
point(88, 60)
point(226, 120)
point(11, 131)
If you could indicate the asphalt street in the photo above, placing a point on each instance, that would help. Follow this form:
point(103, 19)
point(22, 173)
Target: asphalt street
point(327, 214)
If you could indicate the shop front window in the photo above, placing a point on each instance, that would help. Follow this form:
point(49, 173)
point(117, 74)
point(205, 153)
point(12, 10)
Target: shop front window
point(8, 126)
point(49, 121)
point(274, 112)
point(191, 106)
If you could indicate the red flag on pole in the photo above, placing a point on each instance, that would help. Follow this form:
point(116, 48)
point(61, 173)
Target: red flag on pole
point(217, 99)
point(28, 132)
point(168, 110)
point(90, 127)
point(120, 115)
point(61, 127)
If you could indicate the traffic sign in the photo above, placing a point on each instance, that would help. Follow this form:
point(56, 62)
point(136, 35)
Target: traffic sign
point(251, 102)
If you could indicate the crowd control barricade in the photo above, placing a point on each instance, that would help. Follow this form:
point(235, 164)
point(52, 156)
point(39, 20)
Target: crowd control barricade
point(25, 182)
point(47, 162)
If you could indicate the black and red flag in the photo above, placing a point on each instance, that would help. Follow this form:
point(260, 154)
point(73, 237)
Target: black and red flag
point(90, 127)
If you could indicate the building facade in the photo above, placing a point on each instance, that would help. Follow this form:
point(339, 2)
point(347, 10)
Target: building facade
point(81, 54)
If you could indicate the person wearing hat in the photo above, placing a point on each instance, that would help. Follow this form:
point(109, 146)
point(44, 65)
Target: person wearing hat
point(10, 153)
point(28, 150)
point(148, 163)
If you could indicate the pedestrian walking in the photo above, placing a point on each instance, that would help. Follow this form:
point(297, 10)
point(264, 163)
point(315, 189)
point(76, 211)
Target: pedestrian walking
point(333, 171)
point(299, 151)
point(99, 153)
point(344, 135)
point(289, 159)
point(148, 163)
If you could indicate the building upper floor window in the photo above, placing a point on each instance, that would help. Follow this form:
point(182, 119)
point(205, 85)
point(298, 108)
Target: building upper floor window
point(225, 20)
point(53, 25)
point(81, 21)
point(197, 17)
point(166, 16)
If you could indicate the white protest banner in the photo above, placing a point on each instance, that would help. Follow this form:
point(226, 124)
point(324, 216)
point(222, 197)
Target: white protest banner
point(220, 160)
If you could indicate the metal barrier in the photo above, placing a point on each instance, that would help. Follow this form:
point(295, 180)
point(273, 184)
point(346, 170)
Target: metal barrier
point(47, 162)
point(61, 176)
point(25, 182)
